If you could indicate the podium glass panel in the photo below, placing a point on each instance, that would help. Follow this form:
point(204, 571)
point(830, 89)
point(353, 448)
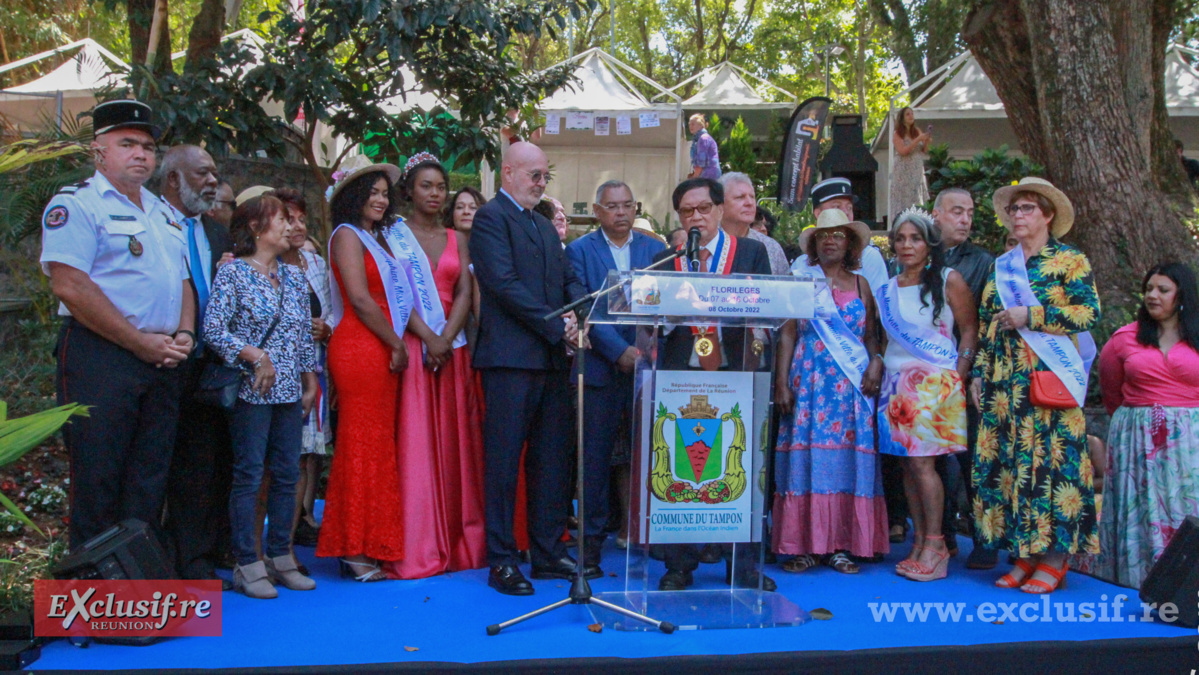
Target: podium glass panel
point(700, 467)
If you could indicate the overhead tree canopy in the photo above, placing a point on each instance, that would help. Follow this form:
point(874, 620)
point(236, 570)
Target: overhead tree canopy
point(1083, 86)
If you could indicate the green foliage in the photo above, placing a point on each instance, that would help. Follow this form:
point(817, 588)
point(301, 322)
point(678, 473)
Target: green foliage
point(738, 153)
point(981, 175)
point(19, 436)
point(21, 569)
point(791, 223)
point(33, 171)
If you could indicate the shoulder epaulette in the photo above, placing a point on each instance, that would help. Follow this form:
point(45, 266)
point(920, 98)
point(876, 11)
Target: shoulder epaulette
point(70, 189)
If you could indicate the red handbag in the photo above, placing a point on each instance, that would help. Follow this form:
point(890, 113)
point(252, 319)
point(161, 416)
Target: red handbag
point(1048, 391)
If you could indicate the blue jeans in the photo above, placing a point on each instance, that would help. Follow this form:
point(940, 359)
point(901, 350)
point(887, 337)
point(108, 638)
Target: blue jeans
point(263, 433)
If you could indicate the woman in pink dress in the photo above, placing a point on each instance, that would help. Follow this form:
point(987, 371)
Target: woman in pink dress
point(439, 439)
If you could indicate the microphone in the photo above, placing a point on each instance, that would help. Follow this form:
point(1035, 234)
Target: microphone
point(693, 245)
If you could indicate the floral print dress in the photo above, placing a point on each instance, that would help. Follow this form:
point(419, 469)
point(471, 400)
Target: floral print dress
point(829, 486)
point(1032, 469)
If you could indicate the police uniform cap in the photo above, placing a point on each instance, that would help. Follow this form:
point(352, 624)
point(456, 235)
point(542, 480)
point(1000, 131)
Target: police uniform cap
point(832, 189)
point(124, 114)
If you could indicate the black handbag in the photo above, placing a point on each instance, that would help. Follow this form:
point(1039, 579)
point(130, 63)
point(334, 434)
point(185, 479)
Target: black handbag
point(220, 382)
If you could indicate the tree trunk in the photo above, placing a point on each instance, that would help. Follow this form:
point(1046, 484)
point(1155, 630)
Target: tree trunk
point(205, 35)
point(140, 16)
point(1089, 104)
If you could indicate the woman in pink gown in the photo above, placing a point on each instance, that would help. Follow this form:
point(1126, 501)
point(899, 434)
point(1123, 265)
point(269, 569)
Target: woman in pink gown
point(439, 440)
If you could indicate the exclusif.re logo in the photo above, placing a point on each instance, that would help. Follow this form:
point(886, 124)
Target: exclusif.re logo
point(127, 608)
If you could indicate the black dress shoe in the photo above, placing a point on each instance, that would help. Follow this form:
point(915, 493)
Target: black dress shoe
point(564, 568)
point(749, 580)
point(711, 553)
point(674, 580)
point(508, 580)
point(982, 558)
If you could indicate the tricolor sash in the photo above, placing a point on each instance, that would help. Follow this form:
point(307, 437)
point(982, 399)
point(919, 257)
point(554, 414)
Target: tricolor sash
point(1063, 358)
point(420, 276)
point(395, 282)
point(921, 342)
point(721, 263)
point(847, 350)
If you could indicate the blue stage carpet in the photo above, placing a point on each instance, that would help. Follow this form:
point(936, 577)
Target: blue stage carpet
point(443, 618)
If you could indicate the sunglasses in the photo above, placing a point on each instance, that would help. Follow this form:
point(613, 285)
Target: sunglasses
point(703, 209)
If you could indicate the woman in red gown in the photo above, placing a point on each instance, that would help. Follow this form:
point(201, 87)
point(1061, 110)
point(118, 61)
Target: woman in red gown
point(439, 438)
point(362, 520)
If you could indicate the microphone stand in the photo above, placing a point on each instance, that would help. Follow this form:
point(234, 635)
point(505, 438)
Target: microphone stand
point(580, 588)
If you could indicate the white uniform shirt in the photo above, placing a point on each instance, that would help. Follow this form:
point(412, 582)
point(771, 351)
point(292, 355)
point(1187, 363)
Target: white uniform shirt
point(100, 232)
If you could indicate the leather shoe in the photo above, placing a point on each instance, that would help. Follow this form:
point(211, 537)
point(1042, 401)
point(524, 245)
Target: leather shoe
point(982, 558)
point(750, 580)
point(508, 580)
point(710, 553)
point(564, 568)
point(674, 580)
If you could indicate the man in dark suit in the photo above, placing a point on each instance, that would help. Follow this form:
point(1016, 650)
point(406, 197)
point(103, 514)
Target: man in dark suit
point(523, 275)
point(202, 465)
point(699, 204)
point(608, 379)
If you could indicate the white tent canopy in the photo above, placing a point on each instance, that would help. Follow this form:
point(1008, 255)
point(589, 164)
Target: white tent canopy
point(66, 91)
point(647, 158)
point(727, 86)
point(966, 112)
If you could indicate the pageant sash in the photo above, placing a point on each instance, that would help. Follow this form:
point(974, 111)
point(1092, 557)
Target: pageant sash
point(420, 276)
point(847, 350)
point(395, 282)
point(1071, 366)
point(921, 342)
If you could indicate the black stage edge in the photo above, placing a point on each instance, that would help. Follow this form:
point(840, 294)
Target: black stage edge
point(1149, 655)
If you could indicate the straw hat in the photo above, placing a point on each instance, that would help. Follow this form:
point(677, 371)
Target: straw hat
point(643, 226)
point(833, 218)
point(1063, 217)
point(251, 192)
point(356, 166)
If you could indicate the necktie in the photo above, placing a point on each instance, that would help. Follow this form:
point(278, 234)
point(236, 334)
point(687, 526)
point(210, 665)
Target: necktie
point(197, 269)
point(712, 360)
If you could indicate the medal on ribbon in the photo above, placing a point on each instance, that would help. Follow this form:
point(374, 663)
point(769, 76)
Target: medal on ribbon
point(135, 246)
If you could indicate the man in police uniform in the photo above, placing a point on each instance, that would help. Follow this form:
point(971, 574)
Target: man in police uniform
point(116, 258)
point(202, 467)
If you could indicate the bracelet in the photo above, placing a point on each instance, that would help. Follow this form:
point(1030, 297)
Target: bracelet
point(195, 340)
point(258, 362)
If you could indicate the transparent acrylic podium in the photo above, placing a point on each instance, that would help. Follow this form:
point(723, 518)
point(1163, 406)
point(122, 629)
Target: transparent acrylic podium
point(700, 440)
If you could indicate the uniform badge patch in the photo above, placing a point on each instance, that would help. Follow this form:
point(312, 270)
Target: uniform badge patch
point(55, 218)
point(135, 246)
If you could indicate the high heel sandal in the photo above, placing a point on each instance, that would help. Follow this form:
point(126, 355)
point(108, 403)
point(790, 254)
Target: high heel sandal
point(1010, 581)
point(1038, 587)
point(906, 564)
point(917, 571)
point(349, 568)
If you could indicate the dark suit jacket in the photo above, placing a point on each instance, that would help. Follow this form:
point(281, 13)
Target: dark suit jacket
point(220, 242)
point(592, 260)
point(523, 275)
point(750, 258)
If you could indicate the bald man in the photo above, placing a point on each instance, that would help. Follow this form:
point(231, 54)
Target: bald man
point(523, 275)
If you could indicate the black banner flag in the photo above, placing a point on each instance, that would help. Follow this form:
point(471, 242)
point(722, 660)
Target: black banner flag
point(801, 147)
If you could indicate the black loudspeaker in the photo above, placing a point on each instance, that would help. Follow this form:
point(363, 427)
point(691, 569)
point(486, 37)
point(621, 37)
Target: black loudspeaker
point(127, 550)
point(1175, 576)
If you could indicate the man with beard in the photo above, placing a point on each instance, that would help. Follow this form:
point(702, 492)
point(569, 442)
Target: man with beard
point(117, 261)
point(201, 469)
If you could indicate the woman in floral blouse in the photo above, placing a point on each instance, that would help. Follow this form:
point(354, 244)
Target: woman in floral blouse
point(277, 390)
point(1035, 495)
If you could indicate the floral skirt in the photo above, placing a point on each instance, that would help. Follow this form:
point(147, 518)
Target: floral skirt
point(925, 407)
point(1152, 485)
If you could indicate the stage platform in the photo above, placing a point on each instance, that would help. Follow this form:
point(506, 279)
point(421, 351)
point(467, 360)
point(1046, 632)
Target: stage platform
point(437, 625)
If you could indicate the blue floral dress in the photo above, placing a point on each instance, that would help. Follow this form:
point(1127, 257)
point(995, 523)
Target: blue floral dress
point(828, 477)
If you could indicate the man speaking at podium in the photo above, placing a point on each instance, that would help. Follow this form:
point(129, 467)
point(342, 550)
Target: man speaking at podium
point(699, 205)
point(608, 379)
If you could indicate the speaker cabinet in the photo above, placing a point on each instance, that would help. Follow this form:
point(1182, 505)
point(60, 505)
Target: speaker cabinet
point(1175, 576)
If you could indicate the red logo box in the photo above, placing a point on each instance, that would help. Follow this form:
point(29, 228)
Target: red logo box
point(126, 608)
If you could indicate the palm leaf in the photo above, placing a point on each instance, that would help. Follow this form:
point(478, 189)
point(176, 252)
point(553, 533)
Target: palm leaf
point(12, 508)
point(23, 434)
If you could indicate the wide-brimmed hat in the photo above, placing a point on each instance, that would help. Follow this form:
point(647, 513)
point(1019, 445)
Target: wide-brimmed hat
point(834, 218)
point(356, 166)
point(251, 192)
point(1063, 210)
point(643, 226)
